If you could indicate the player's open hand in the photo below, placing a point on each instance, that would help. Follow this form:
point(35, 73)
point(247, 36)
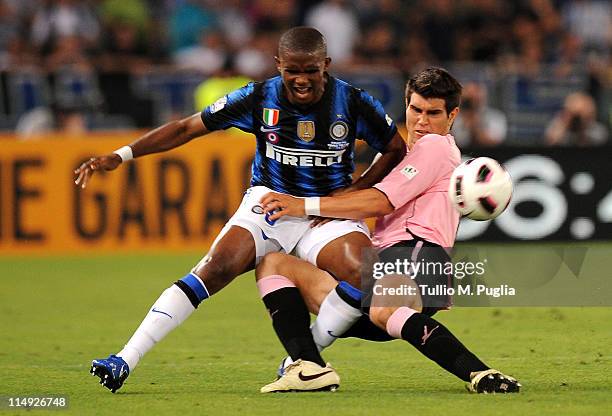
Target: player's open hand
point(87, 168)
point(279, 205)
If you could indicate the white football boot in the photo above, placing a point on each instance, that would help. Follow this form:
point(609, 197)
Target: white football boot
point(305, 376)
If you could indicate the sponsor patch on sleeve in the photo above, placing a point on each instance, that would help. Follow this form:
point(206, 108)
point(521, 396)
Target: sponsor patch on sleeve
point(389, 119)
point(409, 171)
point(218, 105)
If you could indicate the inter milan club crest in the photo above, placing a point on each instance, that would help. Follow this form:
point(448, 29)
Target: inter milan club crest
point(306, 130)
point(339, 130)
point(270, 116)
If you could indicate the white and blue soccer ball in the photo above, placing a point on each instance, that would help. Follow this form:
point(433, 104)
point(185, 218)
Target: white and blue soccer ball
point(480, 189)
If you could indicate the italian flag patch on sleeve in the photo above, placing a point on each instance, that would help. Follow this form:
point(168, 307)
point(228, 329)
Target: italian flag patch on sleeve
point(270, 116)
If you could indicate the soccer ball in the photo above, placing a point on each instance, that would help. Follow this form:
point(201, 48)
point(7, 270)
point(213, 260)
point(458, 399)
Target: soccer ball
point(480, 188)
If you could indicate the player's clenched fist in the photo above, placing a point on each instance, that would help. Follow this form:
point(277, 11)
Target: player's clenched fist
point(279, 205)
point(87, 168)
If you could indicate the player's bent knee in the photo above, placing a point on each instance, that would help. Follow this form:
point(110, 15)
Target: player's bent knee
point(343, 257)
point(348, 271)
point(353, 269)
point(222, 268)
point(272, 263)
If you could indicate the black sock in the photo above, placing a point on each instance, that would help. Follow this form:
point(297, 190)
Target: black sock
point(291, 321)
point(365, 329)
point(437, 343)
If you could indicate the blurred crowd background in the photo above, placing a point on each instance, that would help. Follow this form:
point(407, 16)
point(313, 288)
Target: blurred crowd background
point(535, 72)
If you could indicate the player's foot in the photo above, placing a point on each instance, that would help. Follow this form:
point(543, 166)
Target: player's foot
point(305, 376)
point(112, 371)
point(492, 381)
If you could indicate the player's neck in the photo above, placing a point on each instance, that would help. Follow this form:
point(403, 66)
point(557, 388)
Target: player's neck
point(411, 142)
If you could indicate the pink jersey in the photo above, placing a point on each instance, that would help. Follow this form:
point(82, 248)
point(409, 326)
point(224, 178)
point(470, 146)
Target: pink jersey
point(417, 188)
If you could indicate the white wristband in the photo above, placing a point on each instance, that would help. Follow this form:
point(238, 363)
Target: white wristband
point(312, 205)
point(125, 153)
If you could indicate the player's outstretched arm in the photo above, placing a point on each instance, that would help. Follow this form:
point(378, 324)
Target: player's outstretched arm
point(354, 205)
point(392, 154)
point(166, 137)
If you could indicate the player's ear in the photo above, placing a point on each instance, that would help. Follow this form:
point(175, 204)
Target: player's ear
point(452, 116)
point(327, 62)
point(278, 62)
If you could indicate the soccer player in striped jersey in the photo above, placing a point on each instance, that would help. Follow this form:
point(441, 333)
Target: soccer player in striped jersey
point(416, 222)
point(305, 123)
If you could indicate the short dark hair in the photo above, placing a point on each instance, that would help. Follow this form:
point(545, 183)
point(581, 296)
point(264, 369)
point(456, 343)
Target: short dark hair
point(436, 83)
point(302, 39)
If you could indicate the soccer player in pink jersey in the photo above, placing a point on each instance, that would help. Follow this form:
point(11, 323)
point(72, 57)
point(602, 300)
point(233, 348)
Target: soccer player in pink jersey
point(415, 222)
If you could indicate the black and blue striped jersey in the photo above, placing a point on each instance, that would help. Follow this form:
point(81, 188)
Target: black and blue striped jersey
point(303, 152)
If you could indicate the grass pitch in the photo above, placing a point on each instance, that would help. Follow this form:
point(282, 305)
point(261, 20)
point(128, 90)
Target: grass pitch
point(56, 314)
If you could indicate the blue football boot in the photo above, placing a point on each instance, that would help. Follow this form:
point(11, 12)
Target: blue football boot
point(113, 371)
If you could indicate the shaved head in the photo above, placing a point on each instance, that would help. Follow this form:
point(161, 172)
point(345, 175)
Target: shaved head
point(302, 39)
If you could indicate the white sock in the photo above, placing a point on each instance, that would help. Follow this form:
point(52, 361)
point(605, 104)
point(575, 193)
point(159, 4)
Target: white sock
point(335, 317)
point(168, 312)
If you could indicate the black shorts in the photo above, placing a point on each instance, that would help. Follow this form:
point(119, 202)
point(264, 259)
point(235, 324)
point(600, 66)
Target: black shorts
point(434, 277)
point(416, 250)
